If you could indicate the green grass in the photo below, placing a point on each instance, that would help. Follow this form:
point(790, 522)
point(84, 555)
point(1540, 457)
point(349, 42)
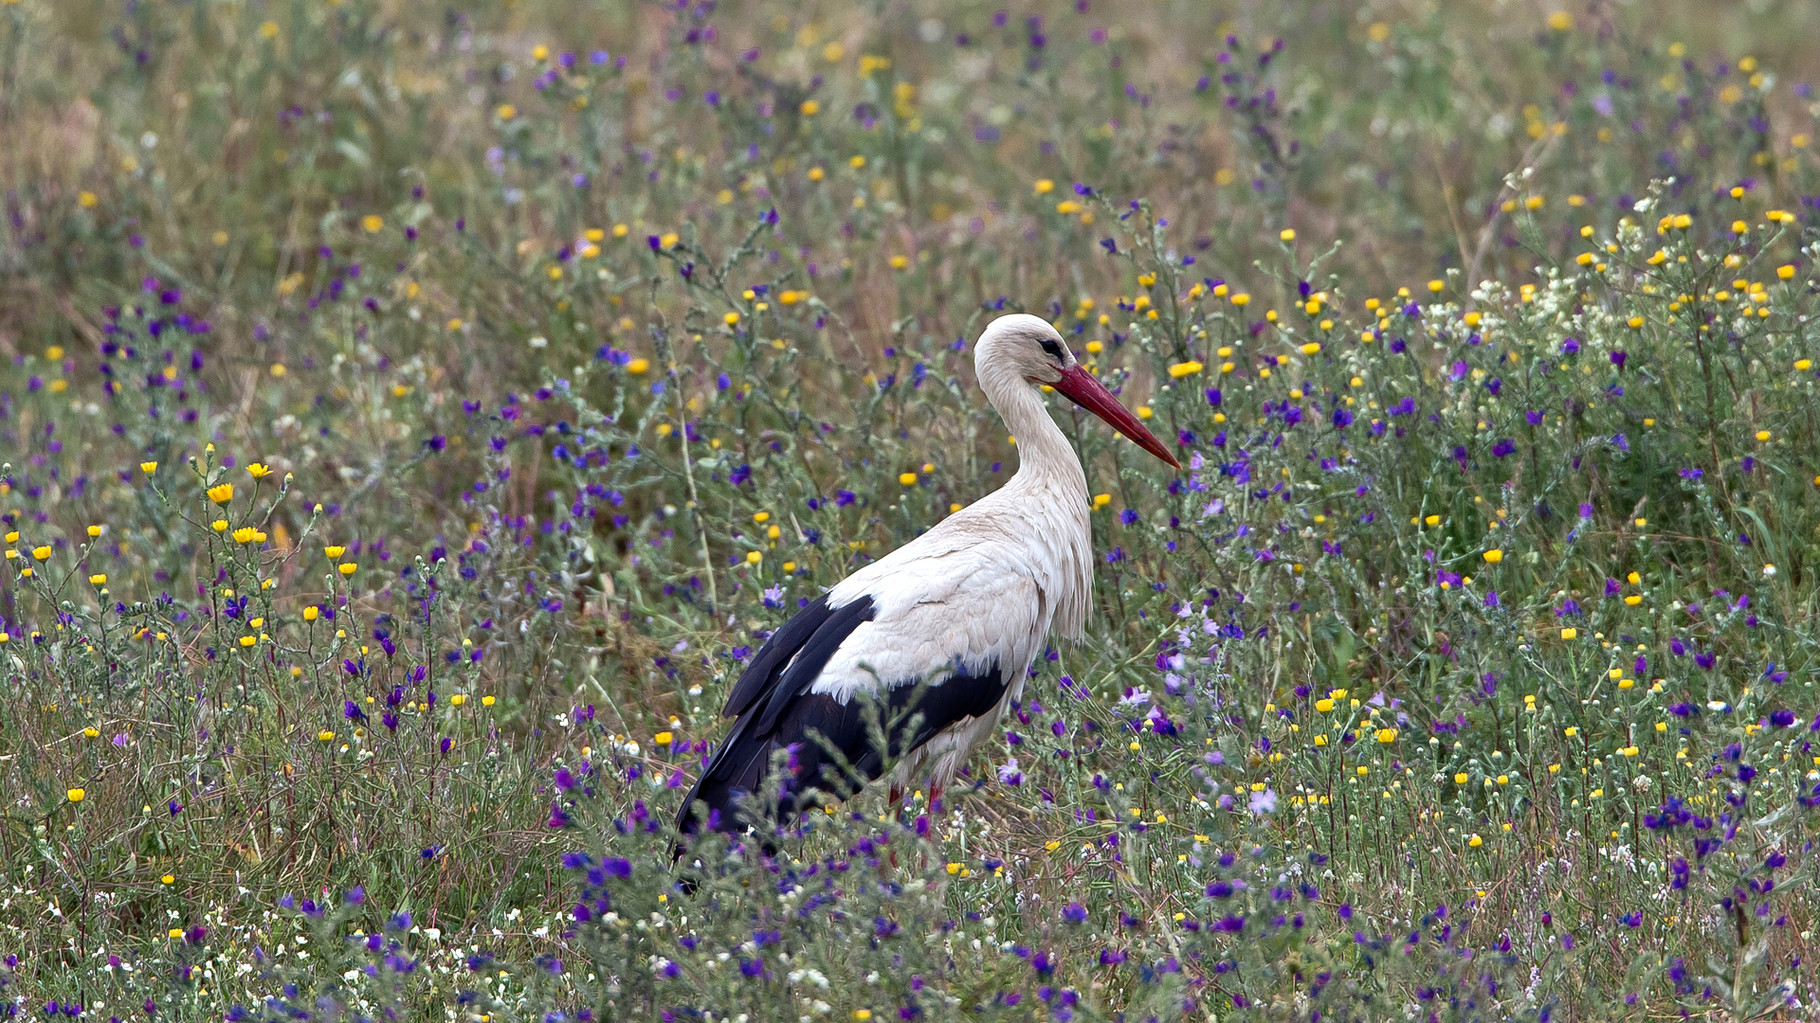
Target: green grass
point(568, 393)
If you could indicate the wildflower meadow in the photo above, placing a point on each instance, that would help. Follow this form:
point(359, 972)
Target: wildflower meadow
point(414, 416)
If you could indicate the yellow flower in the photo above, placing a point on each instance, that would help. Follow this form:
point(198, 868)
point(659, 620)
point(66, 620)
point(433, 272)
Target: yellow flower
point(148, 467)
point(258, 470)
point(310, 613)
point(638, 366)
point(1387, 735)
point(730, 319)
point(1311, 348)
point(1432, 520)
point(76, 795)
point(506, 111)
point(41, 553)
point(268, 30)
point(1475, 841)
point(486, 701)
point(754, 557)
point(371, 223)
point(663, 738)
point(1633, 600)
point(245, 534)
point(347, 569)
point(1184, 369)
point(1786, 271)
point(1287, 234)
point(325, 736)
point(1762, 435)
point(87, 200)
point(1323, 705)
point(1570, 633)
point(1494, 556)
point(810, 108)
point(1044, 186)
point(334, 551)
point(221, 493)
point(1460, 778)
point(457, 700)
point(865, 1014)
point(908, 479)
point(98, 579)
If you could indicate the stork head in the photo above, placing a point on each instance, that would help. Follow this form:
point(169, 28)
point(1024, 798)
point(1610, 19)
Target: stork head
point(1027, 347)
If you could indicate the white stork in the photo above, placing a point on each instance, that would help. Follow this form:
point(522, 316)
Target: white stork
point(966, 606)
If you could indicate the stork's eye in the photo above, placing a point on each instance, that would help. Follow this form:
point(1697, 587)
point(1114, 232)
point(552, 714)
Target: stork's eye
point(1053, 350)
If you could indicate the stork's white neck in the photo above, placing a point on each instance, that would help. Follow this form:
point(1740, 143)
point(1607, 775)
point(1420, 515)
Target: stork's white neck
point(1044, 455)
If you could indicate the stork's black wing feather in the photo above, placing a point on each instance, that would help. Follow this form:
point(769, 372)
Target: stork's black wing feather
point(793, 656)
point(777, 651)
point(778, 712)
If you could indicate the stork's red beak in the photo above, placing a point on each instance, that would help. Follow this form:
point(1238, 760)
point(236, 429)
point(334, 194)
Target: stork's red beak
point(1084, 390)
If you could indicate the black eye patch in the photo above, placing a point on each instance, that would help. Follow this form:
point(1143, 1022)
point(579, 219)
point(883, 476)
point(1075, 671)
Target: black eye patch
point(1052, 349)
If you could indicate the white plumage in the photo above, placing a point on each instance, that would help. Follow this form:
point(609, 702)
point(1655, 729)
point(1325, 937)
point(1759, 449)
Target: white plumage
point(968, 604)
